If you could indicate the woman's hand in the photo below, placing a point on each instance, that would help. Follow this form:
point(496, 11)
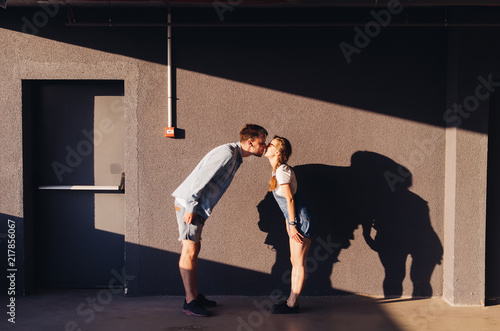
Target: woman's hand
point(295, 235)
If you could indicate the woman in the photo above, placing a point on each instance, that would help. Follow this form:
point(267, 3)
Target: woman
point(283, 184)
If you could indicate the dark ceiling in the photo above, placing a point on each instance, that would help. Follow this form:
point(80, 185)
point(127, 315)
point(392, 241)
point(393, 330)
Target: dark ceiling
point(276, 3)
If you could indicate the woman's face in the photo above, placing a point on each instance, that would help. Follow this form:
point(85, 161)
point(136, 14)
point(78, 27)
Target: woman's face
point(271, 149)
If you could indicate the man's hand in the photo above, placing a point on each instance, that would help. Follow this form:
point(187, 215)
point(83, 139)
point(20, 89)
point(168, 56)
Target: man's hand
point(188, 218)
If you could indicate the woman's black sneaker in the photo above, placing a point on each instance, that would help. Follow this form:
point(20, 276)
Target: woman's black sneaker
point(195, 309)
point(204, 302)
point(283, 308)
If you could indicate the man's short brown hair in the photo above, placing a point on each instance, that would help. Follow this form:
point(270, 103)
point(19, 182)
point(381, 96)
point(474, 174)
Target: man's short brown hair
point(251, 131)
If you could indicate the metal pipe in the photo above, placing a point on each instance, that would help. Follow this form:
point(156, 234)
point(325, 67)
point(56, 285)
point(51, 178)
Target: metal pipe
point(349, 24)
point(170, 129)
point(169, 67)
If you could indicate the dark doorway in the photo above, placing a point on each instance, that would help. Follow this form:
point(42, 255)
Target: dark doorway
point(73, 136)
point(493, 207)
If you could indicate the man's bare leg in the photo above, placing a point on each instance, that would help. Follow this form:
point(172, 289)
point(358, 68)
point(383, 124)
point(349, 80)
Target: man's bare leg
point(188, 266)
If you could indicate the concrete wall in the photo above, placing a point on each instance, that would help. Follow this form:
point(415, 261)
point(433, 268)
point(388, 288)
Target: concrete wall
point(369, 143)
point(472, 54)
point(298, 84)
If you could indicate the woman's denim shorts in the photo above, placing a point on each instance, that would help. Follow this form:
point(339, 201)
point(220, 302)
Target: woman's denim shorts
point(302, 214)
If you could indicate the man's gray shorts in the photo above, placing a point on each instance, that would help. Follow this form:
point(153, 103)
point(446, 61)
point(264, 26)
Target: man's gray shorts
point(189, 231)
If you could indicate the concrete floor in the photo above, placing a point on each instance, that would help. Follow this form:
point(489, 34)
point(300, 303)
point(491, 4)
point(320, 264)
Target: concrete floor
point(103, 310)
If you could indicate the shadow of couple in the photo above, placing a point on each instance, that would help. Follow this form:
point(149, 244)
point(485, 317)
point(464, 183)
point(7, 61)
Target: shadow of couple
point(372, 192)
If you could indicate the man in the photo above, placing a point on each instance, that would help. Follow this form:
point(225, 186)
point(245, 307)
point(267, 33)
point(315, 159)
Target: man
point(195, 199)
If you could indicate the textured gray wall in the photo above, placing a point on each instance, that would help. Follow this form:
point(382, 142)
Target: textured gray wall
point(472, 54)
point(389, 101)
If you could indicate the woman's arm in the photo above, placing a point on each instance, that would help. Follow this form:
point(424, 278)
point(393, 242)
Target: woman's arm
point(294, 234)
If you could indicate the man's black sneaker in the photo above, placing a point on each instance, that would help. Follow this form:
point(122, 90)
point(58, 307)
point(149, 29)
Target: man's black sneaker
point(283, 308)
point(204, 302)
point(195, 309)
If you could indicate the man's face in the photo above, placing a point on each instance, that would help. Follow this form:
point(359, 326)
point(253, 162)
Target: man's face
point(258, 145)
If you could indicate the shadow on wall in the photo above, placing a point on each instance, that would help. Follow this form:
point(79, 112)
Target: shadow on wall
point(152, 271)
point(392, 73)
point(156, 272)
point(372, 192)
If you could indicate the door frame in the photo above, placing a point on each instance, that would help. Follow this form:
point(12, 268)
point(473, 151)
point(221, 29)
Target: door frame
point(30, 181)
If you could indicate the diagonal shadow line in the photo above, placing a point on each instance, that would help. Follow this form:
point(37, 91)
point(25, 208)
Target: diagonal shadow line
point(396, 74)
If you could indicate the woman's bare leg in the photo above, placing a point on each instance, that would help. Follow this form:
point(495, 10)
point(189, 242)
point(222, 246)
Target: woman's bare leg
point(298, 256)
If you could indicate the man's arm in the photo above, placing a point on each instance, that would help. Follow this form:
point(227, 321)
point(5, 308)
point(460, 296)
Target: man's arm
point(209, 167)
point(188, 218)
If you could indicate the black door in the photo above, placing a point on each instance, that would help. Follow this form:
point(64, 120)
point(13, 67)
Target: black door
point(77, 210)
